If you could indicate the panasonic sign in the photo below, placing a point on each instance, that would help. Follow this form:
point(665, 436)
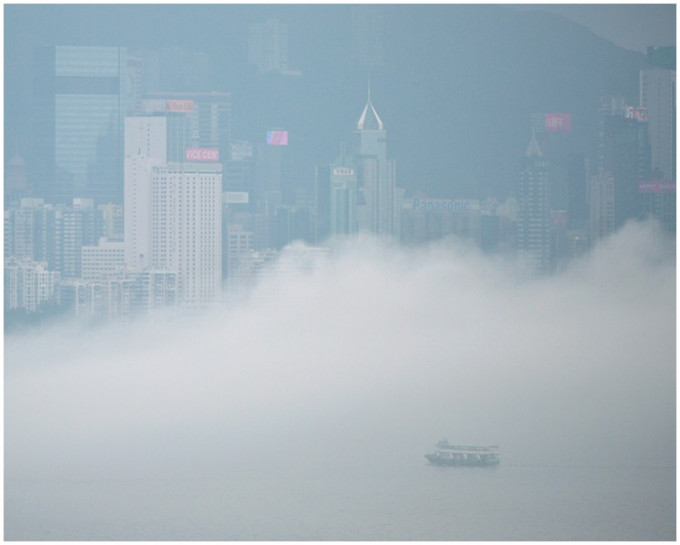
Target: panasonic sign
point(445, 205)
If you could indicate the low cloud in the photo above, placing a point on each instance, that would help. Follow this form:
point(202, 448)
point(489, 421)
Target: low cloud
point(376, 349)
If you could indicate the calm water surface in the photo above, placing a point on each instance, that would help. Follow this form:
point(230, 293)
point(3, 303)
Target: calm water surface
point(413, 502)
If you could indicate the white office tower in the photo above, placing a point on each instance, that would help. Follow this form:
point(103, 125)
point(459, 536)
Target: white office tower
point(187, 229)
point(145, 147)
point(172, 214)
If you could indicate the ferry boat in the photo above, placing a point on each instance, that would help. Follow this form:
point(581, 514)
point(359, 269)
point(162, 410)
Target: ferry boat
point(447, 454)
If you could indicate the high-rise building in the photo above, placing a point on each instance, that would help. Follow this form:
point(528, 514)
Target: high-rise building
point(112, 217)
point(343, 196)
point(145, 147)
point(425, 220)
point(197, 123)
point(28, 284)
point(187, 228)
point(659, 202)
point(657, 97)
point(533, 221)
point(26, 229)
point(624, 152)
point(173, 213)
point(322, 203)
point(602, 205)
point(172, 69)
point(268, 47)
point(376, 175)
point(239, 167)
point(16, 180)
point(80, 103)
point(239, 243)
point(81, 225)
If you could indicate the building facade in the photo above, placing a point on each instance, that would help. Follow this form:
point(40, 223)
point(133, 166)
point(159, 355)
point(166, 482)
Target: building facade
point(186, 220)
point(657, 97)
point(624, 152)
point(145, 147)
point(28, 284)
point(602, 205)
point(376, 175)
point(80, 103)
point(268, 47)
point(533, 221)
point(197, 123)
point(104, 260)
point(343, 196)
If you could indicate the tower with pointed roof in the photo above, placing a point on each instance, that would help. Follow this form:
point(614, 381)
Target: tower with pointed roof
point(376, 174)
point(533, 225)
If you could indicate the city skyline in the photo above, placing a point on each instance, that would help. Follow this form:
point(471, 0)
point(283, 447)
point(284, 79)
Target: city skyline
point(259, 109)
point(259, 258)
point(258, 195)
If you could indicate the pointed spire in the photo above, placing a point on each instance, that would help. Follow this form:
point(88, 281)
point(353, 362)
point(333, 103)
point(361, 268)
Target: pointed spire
point(374, 121)
point(534, 149)
point(369, 86)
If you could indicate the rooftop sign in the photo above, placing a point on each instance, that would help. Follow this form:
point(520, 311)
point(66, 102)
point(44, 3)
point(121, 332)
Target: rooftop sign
point(343, 171)
point(445, 205)
point(202, 154)
point(557, 122)
point(277, 138)
point(172, 105)
point(657, 186)
point(636, 113)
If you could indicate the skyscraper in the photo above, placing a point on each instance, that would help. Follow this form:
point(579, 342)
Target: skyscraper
point(657, 96)
point(145, 147)
point(187, 229)
point(533, 222)
point(173, 69)
point(343, 196)
point(601, 200)
point(624, 152)
point(268, 47)
point(80, 95)
point(172, 213)
point(195, 121)
point(376, 175)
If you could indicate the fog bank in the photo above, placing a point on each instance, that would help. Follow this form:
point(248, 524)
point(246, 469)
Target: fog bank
point(372, 353)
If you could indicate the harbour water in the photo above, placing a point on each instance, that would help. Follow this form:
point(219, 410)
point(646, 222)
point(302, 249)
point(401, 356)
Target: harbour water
point(413, 501)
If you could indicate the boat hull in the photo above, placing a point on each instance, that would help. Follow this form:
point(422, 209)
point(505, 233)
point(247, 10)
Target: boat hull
point(470, 462)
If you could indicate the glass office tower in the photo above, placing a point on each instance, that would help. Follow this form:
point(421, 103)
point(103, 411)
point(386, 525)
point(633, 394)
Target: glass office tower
point(80, 108)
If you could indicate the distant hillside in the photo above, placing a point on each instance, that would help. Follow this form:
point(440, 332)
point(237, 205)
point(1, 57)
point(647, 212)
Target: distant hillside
point(455, 91)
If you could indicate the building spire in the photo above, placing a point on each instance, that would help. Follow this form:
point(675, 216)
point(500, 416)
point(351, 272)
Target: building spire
point(369, 120)
point(534, 149)
point(369, 86)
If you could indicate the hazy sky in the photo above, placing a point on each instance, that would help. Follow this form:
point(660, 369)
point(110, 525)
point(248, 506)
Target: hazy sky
point(372, 352)
point(320, 108)
point(633, 26)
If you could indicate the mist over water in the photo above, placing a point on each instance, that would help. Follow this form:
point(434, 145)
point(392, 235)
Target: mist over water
point(372, 351)
point(358, 367)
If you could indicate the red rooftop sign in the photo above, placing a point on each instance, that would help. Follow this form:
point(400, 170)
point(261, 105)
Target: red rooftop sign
point(172, 105)
point(557, 122)
point(202, 154)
